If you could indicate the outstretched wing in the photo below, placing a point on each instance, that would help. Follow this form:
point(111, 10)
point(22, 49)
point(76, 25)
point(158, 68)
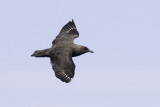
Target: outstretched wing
point(67, 34)
point(64, 67)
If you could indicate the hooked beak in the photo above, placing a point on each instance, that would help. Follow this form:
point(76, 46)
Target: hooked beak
point(91, 51)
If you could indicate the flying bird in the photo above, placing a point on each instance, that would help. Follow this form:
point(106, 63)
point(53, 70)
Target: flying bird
point(62, 51)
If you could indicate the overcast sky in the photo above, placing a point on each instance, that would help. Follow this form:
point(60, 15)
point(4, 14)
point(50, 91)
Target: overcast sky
point(124, 71)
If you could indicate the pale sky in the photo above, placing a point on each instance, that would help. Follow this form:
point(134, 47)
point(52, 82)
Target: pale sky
point(124, 71)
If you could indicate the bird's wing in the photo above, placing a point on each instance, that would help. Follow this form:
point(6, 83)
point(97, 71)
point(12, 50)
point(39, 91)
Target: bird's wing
point(63, 66)
point(67, 34)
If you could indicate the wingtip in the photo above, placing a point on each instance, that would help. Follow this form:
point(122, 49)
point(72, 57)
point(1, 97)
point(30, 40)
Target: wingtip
point(70, 26)
point(73, 22)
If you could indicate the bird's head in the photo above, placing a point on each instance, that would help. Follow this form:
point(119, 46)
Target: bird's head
point(85, 49)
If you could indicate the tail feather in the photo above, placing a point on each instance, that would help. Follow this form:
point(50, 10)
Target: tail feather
point(41, 53)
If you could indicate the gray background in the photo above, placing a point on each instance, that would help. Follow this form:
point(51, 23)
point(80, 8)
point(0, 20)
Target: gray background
point(124, 71)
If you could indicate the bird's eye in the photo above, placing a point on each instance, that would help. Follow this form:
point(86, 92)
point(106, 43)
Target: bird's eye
point(85, 48)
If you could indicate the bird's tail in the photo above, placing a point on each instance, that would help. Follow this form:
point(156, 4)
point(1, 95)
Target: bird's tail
point(41, 53)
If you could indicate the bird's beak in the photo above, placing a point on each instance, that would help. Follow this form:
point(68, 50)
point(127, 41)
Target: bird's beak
point(91, 51)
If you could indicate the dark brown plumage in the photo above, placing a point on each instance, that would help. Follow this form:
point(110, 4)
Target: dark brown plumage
point(62, 51)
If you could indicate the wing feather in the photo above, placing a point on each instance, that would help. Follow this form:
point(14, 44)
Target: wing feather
point(64, 67)
point(68, 27)
point(67, 34)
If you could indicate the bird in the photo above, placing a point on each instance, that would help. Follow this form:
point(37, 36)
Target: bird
point(62, 50)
